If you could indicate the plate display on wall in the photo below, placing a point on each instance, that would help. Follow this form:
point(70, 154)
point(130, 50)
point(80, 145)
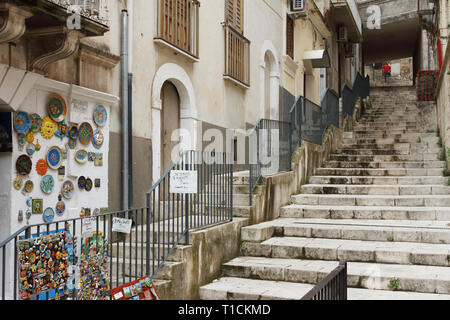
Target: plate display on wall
point(67, 189)
point(35, 123)
point(28, 186)
point(49, 215)
point(88, 186)
point(57, 108)
point(85, 133)
point(81, 156)
point(100, 116)
point(22, 122)
point(81, 182)
point(97, 140)
point(41, 167)
point(54, 158)
point(60, 208)
point(23, 165)
point(47, 184)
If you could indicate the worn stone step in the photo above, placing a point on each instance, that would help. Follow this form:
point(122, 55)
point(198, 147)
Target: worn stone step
point(386, 165)
point(229, 288)
point(391, 152)
point(372, 200)
point(429, 141)
point(243, 211)
point(371, 180)
point(386, 158)
point(400, 172)
point(350, 250)
point(365, 212)
point(400, 190)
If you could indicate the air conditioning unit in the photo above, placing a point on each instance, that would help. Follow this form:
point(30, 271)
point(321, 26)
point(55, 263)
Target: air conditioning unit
point(342, 34)
point(299, 9)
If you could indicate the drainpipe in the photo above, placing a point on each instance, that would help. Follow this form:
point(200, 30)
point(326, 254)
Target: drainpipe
point(125, 115)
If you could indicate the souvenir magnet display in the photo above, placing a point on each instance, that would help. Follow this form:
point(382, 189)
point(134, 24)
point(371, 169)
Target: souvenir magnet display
point(81, 156)
point(24, 165)
point(18, 183)
point(96, 212)
point(37, 206)
point(54, 158)
point(41, 167)
point(35, 123)
point(49, 215)
point(85, 133)
point(48, 128)
point(97, 140)
point(67, 189)
point(57, 108)
point(47, 184)
point(100, 116)
point(22, 122)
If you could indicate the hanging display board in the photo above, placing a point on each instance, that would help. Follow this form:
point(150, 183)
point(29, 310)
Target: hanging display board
point(141, 289)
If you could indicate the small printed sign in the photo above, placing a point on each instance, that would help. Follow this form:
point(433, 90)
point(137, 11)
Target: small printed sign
point(183, 182)
point(89, 225)
point(122, 225)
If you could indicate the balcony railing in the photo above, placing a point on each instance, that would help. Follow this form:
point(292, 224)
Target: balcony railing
point(96, 10)
point(237, 56)
point(178, 24)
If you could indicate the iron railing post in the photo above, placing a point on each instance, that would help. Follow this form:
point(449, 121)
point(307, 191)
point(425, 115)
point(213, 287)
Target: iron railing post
point(343, 281)
point(147, 237)
point(186, 211)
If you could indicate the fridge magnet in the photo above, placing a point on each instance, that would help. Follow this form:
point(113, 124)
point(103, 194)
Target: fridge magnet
point(35, 123)
point(48, 128)
point(49, 215)
point(18, 183)
point(96, 212)
point(97, 140)
point(91, 157)
point(60, 208)
point(30, 137)
point(54, 158)
point(82, 213)
point(81, 156)
point(100, 116)
point(37, 146)
point(29, 202)
point(57, 108)
point(21, 141)
point(41, 167)
point(72, 143)
point(23, 165)
point(88, 186)
point(73, 132)
point(97, 183)
point(98, 162)
point(28, 186)
point(81, 183)
point(61, 173)
point(20, 217)
point(47, 184)
point(85, 133)
point(104, 211)
point(31, 149)
point(68, 189)
point(87, 212)
point(37, 206)
point(28, 214)
point(22, 122)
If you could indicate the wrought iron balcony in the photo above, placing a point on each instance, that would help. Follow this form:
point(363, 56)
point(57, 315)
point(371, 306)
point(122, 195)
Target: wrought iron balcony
point(96, 10)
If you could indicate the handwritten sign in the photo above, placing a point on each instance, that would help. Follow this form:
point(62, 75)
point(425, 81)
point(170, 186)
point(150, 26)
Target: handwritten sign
point(89, 225)
point(122, 225)
point(184, 182)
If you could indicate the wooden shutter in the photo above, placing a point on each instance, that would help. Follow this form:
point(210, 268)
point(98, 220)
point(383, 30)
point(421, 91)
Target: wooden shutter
point(234, 13)
point(289, 36)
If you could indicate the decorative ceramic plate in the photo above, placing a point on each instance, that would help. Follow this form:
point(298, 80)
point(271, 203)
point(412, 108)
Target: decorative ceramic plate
point(88, 186)
point(68, 189)
point(48, 128)
point(28, 186)
point(81, 156)
point(57, 108)
point(35, 123)
point(49, 215)
point(72, 143)
point(30, 137)
point(97, 140)
point(85, 133)
point(100, 116)
point(22, 122)
point(60, 208)
point(54, 158)
point(73, 132)
point(31, 149)
point(21, 139)
point(47, 184)
point(41, 167)
point(24, 165)
point(82, 182)
point(18, 183)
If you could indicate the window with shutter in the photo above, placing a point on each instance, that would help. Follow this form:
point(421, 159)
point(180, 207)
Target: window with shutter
point(290, 37)
point(234, 13)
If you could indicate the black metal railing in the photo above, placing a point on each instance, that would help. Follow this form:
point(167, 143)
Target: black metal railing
point(332, 287)
point(156, 230)
point(361, 89)
point(270, 150)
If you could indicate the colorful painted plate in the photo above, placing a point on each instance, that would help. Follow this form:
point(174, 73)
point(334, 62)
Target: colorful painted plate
point(48, 128)
point(85, 133)
point(18, 183)
point(73, 132)
point(49, 215)
point(54, 158)
point(82, 182)
point(57, 108)
point(22, 122)
point(72, 144)
point(21, 139)
point(97, 140)
point(81, 156)
point(41, 167)
point(28, 186)
point(100, 116)
point(47, 184)
point(60, 208)
point(24, 165)
point(31, 149)
point(88, 186)
point(35, 123)
point(68, 189)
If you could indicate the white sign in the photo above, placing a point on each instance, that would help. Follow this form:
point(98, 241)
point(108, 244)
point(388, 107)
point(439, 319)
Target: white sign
point(79, 111)
point(122, 225)
point(184, 182)
point(89, 225)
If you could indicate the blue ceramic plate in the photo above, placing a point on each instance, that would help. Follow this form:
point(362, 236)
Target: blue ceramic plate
point(49, 215)
point(100, 116)
point(22, 122)
point(47, 184)
point(54, 158)
point(81, 156)
point(68, 189)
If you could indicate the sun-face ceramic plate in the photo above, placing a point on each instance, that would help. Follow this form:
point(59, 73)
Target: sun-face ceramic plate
point(22, 122)
point(54, 158)
point(49, 215)
point(23, 165)
point(100, 116)
point(57, 108)
point(81, 156)
point(47, 184)
point(67, 189)
point(85, 133)
point(41, 167)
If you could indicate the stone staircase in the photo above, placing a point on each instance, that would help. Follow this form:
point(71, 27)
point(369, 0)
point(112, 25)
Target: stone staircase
point(381, 202)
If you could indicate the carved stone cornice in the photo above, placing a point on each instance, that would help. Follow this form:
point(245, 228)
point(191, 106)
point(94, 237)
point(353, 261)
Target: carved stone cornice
point(96, 56)
point(48, 45)
point(12, 22)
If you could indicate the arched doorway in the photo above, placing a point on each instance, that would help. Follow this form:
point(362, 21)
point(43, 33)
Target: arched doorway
point(170, 123)
point(270, 82)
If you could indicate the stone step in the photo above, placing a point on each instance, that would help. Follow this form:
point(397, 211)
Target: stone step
point(400, 190)
point(365, 212)
point(437, 232)
point(424, 279)
point(243, 211)
point(229, 288)
point(372, 200)
point(370, 180)
point(386, 165)
point(350, 250)
point(429, 141)
point(388, 134)
point(388, 152)
point(129, 268)
point(400, 172)
point(408, 147)
point(386, 158)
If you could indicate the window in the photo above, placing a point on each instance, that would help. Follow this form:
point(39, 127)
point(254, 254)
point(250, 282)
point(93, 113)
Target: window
point(234, 14)
point(290, 36)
